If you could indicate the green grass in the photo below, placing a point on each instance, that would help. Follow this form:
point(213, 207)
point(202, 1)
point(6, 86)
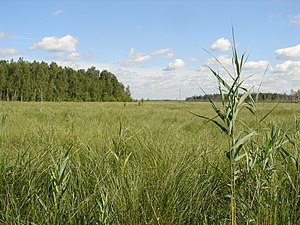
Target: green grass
point(106, 163)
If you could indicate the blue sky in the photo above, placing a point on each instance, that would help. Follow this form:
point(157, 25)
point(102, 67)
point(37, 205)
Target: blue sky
point(155, 46)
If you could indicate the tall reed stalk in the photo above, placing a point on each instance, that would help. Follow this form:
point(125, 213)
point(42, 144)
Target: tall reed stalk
point(234, 98)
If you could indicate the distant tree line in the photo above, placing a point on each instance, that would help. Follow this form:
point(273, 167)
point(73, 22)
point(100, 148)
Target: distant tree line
point(40, 81)
point(294, 96)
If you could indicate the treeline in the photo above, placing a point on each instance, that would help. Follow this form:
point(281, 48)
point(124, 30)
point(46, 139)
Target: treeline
point(40, 81)
point(294, 96)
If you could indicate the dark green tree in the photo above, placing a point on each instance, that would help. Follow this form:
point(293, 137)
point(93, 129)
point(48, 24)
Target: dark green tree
point(39, 81)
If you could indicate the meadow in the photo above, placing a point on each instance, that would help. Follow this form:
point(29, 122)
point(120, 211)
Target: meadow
point(150, 163)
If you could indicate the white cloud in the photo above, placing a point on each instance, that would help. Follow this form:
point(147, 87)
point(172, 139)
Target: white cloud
point(162, 51)
point(154, 83)
point(178, 63)
point(250, 67)
point(254, 65)
point(57, 12)
point(295, 20)
point(139, 59)
point(135, 58)
point(170, 55)
point(288, 53)
point(222, 44)
point(252, 71)
point(74, 56)
point(84, 65)
point(71, 57)
point(63, 44)
point(223, 59)
point(8, 51)
point(165, 52)
point(289, 68)
point(132, 52)
point(284, 77)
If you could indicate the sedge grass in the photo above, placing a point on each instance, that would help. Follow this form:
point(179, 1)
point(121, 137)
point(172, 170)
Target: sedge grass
point(58, 166)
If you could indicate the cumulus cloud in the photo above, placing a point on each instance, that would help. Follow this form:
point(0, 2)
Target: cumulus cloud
point(178, 63)
point(222, 44)
point(295, 20)
point(63, 44)
point(254, 65)
point(280, 78)
point(284, 77)
point(57, 12)
point(252, 71)
point(289, 68)
point(226, 61)
point(153, 83)
point(288, 53)
point(8, 51)
point(223, 59)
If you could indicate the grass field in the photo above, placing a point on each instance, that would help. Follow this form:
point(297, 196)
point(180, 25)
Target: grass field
point(155, 163)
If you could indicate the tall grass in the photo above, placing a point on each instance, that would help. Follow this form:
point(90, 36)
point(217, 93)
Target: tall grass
point(59, 166)
point(103, 163)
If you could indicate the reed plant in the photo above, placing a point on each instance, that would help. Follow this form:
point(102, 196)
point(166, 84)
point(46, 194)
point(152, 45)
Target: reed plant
point(254, 151)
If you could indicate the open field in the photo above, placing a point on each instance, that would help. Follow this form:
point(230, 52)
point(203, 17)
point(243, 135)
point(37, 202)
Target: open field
point(155, 163)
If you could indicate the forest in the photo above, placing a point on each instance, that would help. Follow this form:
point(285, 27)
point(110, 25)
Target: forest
point(39, 81)
point(294, 96)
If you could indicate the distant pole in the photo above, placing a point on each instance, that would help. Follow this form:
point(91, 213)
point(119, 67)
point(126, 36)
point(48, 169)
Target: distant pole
point(180, 94)
point(41, 107)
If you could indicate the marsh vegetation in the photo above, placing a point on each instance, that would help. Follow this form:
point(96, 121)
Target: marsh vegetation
point(106, 163)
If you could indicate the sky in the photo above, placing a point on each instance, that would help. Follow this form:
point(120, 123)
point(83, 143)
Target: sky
point(160, 48)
